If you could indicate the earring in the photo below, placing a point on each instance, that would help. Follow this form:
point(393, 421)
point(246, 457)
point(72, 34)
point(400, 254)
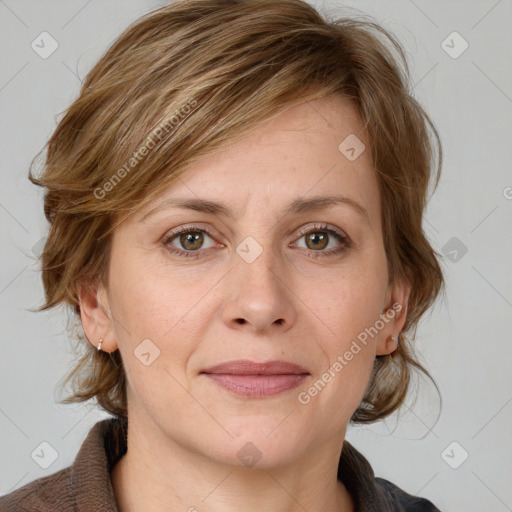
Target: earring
point(396, 338)
point(99, 344)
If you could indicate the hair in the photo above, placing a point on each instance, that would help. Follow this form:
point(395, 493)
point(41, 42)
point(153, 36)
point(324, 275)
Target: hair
point(193, 76)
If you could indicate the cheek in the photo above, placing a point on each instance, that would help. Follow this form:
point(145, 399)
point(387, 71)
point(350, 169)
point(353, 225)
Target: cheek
point(350, 302)
point(351, 307)
point(148, 298)
point(156, 340)
point(152, 303)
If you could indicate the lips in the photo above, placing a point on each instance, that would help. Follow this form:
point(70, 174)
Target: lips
point(247, 367)
point(256, 380)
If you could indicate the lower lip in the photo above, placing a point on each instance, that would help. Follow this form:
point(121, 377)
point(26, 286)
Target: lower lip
point(257, 386)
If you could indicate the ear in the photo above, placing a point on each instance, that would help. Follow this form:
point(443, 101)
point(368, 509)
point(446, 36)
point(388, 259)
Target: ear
point(393, 316)
point(96, 316)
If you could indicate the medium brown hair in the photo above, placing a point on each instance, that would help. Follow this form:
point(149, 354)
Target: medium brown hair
point(194, 75)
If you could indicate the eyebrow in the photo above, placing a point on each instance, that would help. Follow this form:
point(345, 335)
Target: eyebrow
point(299, 205)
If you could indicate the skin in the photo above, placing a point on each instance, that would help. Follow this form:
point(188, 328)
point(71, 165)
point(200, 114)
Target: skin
point(184, 430)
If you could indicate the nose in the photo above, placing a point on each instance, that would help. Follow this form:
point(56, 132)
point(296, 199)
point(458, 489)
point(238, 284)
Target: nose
point(259, 296)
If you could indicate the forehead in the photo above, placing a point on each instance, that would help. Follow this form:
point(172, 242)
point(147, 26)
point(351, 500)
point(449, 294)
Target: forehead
point(300, 153)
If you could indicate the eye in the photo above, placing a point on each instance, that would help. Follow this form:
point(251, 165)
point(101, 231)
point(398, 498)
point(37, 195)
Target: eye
point(188, 241)
point(190, 238)
point(320, 236)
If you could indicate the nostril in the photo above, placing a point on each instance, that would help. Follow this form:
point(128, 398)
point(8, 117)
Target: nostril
point(240, 320)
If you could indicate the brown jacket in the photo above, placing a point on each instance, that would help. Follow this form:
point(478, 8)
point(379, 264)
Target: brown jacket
point(85, 486)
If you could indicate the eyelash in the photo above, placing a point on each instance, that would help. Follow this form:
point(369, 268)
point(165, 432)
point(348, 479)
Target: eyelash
point(345, 241)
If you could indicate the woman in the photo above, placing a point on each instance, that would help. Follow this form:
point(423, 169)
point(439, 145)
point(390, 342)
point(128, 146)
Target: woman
point(235, 203)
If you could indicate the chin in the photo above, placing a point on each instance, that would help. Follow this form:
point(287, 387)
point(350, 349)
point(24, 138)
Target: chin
point(261, 442)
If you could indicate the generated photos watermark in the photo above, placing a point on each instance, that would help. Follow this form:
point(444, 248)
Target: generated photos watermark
point(304, 397)
point(139, 155)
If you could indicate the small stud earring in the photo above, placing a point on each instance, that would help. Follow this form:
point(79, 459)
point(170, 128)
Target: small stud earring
point(396, 339)
point(99, 344)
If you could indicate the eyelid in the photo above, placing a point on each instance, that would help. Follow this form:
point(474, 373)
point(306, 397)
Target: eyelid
point(321, 226)
point(169, 235)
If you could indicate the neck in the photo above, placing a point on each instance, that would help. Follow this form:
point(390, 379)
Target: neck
point(160, 475)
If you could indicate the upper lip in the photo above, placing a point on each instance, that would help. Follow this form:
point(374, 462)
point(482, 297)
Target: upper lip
point(247, 367)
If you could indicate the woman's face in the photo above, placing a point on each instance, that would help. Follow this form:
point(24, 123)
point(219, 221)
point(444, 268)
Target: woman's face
point(244, 281)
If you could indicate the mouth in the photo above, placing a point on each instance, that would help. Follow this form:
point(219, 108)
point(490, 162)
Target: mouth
point(256, 380)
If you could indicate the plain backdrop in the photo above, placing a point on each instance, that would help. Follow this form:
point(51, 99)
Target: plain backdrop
point(460, 56)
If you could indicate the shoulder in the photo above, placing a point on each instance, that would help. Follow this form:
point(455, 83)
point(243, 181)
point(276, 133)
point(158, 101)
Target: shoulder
point(403, 501)
point(85, 485)
point(44, 494)
point(374, 494)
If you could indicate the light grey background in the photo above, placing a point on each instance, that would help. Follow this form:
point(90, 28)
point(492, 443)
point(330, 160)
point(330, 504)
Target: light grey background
point(465, 342)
